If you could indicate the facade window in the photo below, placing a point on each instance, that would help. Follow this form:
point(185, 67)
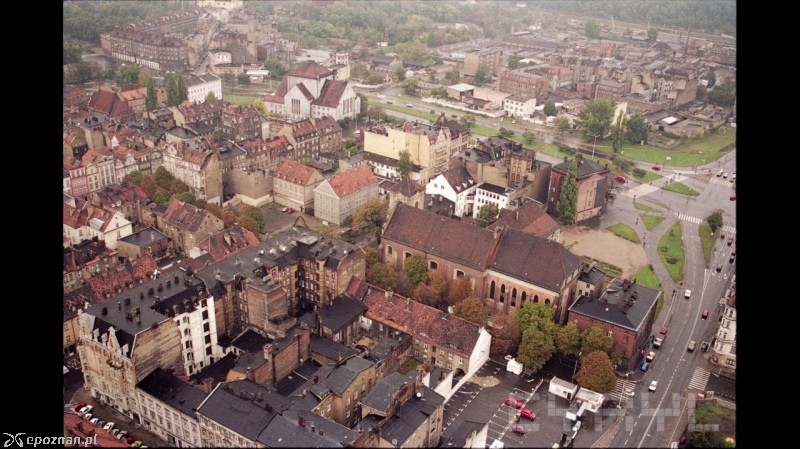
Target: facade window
point(547, 301)
point(535, 299)
point(491, 290)
point(205, 314)
point(513, 297)
point(406, 255)
point(432, 265)
point(524, 297)
point(459, 274)
point(208, 339)
point(207, 327)
point(502, 293)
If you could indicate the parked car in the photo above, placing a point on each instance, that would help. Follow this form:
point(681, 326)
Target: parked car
point(656, 168)
point(719, 173)
point(732, 258)
point(290, 210)
point(518, 428)
point(79, 406)
point(136, 443)
point(725, 175)
point(691, 346)
point(730, 240)
point(101, 423)
point(284, 209)
point(388, 101)
point(733, 177)
point(512, 401)
point(621, 179)
point(653, 385)
point(108, 426)
point(527, 413)
point(409, 105)
point(705, 314)
point(85, 409)
point(129, 440)
point(645, 367)
point(733, 197)
point(94, 421)
point(114, 431)
point(704, 346)
point(122, 434)
point(87, 416)
point(629, 392)
point(687, 294)
point(650, 356)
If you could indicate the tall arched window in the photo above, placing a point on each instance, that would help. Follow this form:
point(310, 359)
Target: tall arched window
point(547, 301)
point(491, 290)
point(535, 299)
point(524, 297)
point(502, 292)
point(513, 297)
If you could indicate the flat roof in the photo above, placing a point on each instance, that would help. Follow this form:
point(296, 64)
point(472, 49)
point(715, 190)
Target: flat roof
point(461, 87)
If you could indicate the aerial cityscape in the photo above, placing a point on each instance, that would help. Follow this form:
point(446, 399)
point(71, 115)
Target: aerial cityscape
point(405, 223)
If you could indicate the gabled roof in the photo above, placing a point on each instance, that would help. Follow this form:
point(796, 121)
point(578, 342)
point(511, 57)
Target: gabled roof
point(459, 178)
point(303, 129)
point(243, 407)
point(304, 91)
point(349, 181)
point(122, 279)
point(385, 391)
point(586, 167)
point(407, 187)
point(425, 323)
point(227, 242)
point(285, 431)
point(342, 311)
point(167, 388)
point(344, 374)
point(331, 94)
point(108, 103)
point(294, 172)
point(409, 418)
point(145, 237)
point(441, 236)
point(534, 259)
point(530, 218)
point(327, 125)
point(250, 341)
point(185, 216)
point(311, 70)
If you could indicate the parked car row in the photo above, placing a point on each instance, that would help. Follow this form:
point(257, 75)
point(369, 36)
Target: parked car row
point(84, 410)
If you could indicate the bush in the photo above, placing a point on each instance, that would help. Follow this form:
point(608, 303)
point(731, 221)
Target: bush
point(638, 172)
point(567, 150)
point(622, 163)
point(672, 260)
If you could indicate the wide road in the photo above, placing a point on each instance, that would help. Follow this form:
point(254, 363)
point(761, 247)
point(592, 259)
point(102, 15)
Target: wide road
point(654, 419)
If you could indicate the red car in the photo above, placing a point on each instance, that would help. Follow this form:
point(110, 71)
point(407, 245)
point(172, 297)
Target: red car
point(79, 406)
point(620, 179)
point(656, 168)
point(733, 197)
point(705, 314)
point(730, 240)
point(518, 428)
point(513, 402)
point(722, 235)
point(527, 413)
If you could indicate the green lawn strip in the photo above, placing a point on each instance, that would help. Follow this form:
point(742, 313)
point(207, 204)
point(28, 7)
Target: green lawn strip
point(647, 177)
point(707, 239)
point(651, 221)
point(625, 231)
point(410, 111)
point(645, 207)
point(710, 142)
point(238, 99)
point(607, 268)
point(681, 188)
point(670, 250)
point(647, 277)
point(723, 417)
point(658, 203)
point(408, 366)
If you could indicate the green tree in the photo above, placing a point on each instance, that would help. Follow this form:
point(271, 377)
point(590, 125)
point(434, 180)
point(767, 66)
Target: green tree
point(375, 113)
point(453, 76)
point(149, 186)
point(568, 339)
point(72, 53)
point(459, 290)
point(162, 196)
point(128, 74)
point(472, 310)
point(163, 178)
point(596, 373)
point(416, 268)
point(595, 338)
point(403, 284)
point(410, 86)
point(528, 137)
point(399, 73)
point(151, 100)
point(637, 128)
point(257, 215)
point(183, 90)
point(214, 210)
point(243, 78)
point(176, 89)
point(259, 105)
point(595, 118)
point(275, 67)
point(467, 120)
point(228, 219)
point(134, 177)
point(652, 35)
point(483, 74)
point(359, 71)
point(504, 132)
point(592, 29)
point(567, 206)
point(535, 349)
point(200, 204)
point(227, 77)
point(380, 275)
point(715, 220)
point(404, 165)
point(364, 105)
point(439, 92)
point(249, 223)
point(370, 217)
point(561, 124)
point(618, 133)
point(211, 96)
point(538, 316)
point(550, 108)
point(375, 79)
point(186, 197)
point(723, 94)
point(178, 186)
point(487, 215)
point(711, 77)
point(513, 62)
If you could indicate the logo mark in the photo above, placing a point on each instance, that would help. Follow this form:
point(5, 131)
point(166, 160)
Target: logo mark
point(14, 438)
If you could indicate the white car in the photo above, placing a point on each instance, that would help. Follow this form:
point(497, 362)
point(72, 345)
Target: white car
point(687, 294)
point(629, 392)
point(108, 426)
point(86, 409)
point(653, 385)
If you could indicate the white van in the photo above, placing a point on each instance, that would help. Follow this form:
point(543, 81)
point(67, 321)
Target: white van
point(720, 172)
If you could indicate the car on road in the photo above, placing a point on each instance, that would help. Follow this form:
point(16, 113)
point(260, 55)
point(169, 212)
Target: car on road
point(719, 173)
point(409, 105)
point(620, 179)
point(79, 406)
point(629, 392)
point(705, 314)
point(725, 175)
point(653, 385)
point(656, 168)
point(722, 235)
point(719, 268)
point(733, 197)
point(691, 346)
point(645, 367)
point(85, 409)
point(704, 346)
point(108, 426)
point(732, 258)
point(512, 401)
point(730, 240)
point(527, 413)
point(733, 177)
point(518, 428)
point(650, 356)
point(687, 294)
point(388, 101)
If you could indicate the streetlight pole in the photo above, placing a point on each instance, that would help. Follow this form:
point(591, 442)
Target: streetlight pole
point(576, 365)
point(594, 144)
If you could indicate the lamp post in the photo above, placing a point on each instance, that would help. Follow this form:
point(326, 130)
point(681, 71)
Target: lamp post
point(576, 365)
point(594, 144)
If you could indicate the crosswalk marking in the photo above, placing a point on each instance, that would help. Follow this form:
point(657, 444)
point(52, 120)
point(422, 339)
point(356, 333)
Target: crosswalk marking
point(699, 379)
point(721, 182)
point(683, 217)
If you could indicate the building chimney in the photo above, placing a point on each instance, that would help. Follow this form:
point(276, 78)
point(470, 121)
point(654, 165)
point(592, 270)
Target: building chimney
point(301, 422)
point(267, 351)
point(516, 215)
point(152, 235)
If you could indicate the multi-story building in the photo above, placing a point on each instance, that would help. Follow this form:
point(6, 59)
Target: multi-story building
point(167, 323)
point(100, 169)
point(304, 137)
point(490, 57)
point(519, 106)
point(135, 99)
point(169, 408)
point(187, 225)
point(487, 193)
point(294, 184)
point(626, 311)
point(311, 91)
point(76, 173)
point(84, 221)
point(336, 198)
point(330, 135)
point(592, 187)
point(530, 218)
point(723, 345)
point(456, 185)
point(147, 242)
point(240, 123)
point(86, 259)
point(341, 390)
point(198, 87)
point(195, 164)
point(429, 146)
point(525, 82)
point(127, 199)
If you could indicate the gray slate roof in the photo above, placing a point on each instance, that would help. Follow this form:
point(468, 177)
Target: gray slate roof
point(145, 237)
point(286, 431)
point(172, 391)
point(384, 391)
point(412, 414)
point(340, 379)
point(243, 407)
point(613, 306)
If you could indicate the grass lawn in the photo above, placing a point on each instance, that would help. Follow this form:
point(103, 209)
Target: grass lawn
point(645, 207)
point(647, 177)
point(483, 130)
point(625, 231)
point(407, 367)
point(238, 99)
point(424, 114)
point(710, 142)
point(681, 188)
point(658, 203)
point(609, 269)
point(724, 417)
point(647, 277)
point(707, 239)
point(670, 249)
point(651, 221)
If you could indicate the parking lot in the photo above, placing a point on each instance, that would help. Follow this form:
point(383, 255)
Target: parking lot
point(122, 422)
point(481, 400)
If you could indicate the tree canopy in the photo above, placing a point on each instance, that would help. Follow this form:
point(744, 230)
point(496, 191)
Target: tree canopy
point(535, 348)
point(568, 339)
point(487, 215)
point(370, 216)
point(550, 108)
point(714, 220)
point(637, 128)
point(416, 268)
point(483, 74)
point(472, 310)
point(459, 289)
point(404, 165)
point(592, 29)
point(595, 118)
point(596, 373)
point(595, 338)
point(567, 206)
point(72, 53)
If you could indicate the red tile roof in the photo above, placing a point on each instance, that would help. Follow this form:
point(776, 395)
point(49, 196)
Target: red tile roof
point(349, 181)
point(184, 216)
point(327, 125)
point(118, 280)
point(227, 242)
point(294, 172)
point(304, 129)
point(108, 103)
point(425, 323)
point(331, 94)
point(76, 217)
point(191, 154)
point(311, 70)
point(530, 219)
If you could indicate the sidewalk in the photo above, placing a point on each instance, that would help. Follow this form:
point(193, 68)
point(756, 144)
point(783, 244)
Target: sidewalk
point(121, 421)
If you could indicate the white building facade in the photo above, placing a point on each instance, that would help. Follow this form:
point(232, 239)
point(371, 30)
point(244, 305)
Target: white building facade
point(200, 85)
